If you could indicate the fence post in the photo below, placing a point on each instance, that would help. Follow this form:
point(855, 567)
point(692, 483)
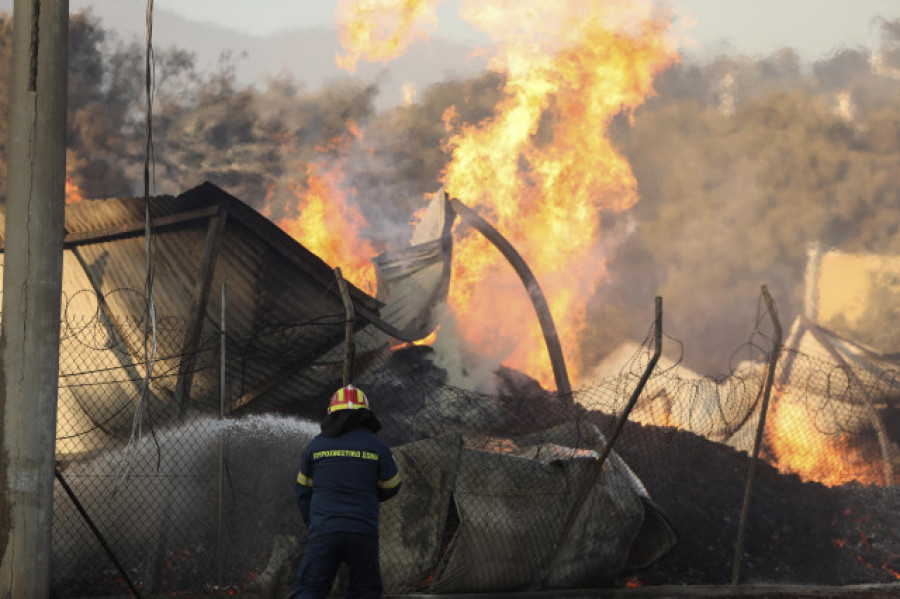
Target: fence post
point(760, 428)
point(349, 347)
point(657, 351)
point(97, 534)
point(221, 476)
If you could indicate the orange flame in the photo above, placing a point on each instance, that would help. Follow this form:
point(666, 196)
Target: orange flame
point(542, 170)
point(427, 340)
point(73, 192)
point(321, 217)
point(380, 30)
point(798, 446)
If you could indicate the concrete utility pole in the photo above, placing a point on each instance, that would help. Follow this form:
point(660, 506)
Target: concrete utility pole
point(32, 284)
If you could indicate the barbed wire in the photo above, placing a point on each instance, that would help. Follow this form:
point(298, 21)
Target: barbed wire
point(673, 445)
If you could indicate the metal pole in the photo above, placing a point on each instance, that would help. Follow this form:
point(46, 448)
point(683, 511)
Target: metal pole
point(97, 534)
point(32, 286)
point(760, 428)
point(545, 319)
point(219, 544)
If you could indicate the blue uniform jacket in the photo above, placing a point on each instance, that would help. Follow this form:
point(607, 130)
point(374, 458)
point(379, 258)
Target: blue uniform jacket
point(341, 481)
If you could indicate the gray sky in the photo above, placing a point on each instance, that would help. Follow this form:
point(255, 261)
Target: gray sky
point(813, 27)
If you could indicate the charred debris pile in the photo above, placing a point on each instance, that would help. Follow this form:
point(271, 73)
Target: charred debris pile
point(796, 533)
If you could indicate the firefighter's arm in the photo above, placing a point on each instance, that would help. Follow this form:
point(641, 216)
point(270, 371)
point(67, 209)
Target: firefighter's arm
point(303, 489)
point(389, 477)
point(304, 497)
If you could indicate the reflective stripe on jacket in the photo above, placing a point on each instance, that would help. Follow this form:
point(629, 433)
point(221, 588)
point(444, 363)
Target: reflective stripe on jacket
point(342, 479)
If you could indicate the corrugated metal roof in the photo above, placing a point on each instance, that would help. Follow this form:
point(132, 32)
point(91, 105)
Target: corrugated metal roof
point(285, 317)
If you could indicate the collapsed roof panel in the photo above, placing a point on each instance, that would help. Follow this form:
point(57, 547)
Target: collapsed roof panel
point(276, 291)
point(412, 280)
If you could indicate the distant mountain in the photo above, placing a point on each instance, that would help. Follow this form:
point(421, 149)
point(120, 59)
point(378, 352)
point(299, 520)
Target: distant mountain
point(306, 55)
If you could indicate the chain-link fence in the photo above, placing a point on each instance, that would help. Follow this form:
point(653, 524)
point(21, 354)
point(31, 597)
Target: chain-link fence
point(501, 491)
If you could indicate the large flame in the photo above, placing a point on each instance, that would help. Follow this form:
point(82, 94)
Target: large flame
point(542, 170)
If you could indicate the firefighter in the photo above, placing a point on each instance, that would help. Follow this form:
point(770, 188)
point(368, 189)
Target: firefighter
point(345, 472)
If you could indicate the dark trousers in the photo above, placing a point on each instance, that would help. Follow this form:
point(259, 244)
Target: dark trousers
point(323, 556)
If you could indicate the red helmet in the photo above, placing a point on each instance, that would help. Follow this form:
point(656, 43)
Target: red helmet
point(348, 398)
